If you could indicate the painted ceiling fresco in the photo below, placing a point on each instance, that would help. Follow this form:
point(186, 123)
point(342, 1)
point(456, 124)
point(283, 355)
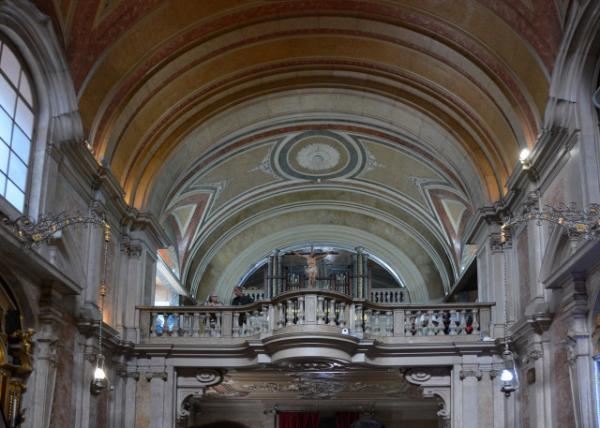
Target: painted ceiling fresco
point(248, 125)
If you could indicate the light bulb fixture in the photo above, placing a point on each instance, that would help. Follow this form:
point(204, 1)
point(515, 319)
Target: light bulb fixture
point(524, 158)
point(509, 376)
point(99, 381)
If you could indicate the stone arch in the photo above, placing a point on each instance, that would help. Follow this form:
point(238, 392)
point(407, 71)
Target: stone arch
point(17, 289)
point(338, 236)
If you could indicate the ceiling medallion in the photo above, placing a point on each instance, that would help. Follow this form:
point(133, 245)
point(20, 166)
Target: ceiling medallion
point(318, 157)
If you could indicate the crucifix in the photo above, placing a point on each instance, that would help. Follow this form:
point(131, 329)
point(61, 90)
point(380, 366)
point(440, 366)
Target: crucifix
point(312, 258)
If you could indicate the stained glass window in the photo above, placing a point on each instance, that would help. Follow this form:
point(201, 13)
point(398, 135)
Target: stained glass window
point(16, 127)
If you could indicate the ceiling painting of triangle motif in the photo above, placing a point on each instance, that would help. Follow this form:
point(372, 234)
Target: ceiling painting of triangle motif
point(183, 220)
point(450, 208)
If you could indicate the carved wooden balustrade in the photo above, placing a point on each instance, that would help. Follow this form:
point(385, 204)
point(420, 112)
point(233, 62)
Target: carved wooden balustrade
point(315, 310)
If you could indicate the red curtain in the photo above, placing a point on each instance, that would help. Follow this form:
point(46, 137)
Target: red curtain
point(345, 419)
point(298, 419)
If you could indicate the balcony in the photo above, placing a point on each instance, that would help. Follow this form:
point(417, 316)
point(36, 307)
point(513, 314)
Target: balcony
point(314, 322)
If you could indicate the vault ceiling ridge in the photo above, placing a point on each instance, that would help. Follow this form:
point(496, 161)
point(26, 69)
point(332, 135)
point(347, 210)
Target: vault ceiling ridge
point(302, 206)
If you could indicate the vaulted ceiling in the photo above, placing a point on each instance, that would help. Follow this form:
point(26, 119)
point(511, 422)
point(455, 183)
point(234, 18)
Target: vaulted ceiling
point(252, 125)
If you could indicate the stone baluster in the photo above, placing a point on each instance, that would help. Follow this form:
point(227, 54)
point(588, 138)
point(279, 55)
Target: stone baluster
point(332, 312)
point(438, 325)
point(358, 318)
point(280, 315)
point(368, 319)
point(248, 324)
point(258, 323)
point(218, 324)
point(180, 324)
point(408, 323)
point(265, 319)
point(189, 323)
point(453, 317)
point(195, 326)
point(320, 310)
point(475, 313)
point(236, 324)
point(462, 322)
point(201, 325)
point(289, 312)
point(430, 324)
point(153, 316)
point(389, 323)
point(377, 323)
point(342, 315)
point(301, 310)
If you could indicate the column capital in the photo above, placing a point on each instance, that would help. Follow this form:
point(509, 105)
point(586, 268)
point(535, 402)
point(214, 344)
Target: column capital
point(470, 370)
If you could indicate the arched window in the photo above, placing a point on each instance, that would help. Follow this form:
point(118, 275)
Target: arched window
point(17, 120)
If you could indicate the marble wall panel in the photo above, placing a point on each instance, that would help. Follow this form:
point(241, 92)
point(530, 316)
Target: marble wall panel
point(63, 413)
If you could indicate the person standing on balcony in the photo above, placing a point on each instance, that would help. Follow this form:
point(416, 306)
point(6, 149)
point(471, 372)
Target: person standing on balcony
point(213, 300)
point(240, 298)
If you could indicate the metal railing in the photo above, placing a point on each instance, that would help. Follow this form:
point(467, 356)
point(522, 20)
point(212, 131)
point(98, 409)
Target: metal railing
point(388, 296)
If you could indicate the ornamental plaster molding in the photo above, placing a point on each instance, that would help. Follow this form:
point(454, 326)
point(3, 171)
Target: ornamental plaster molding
point(209, 377)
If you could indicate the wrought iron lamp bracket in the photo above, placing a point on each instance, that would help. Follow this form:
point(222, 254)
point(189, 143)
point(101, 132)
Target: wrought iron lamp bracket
point(33, 233)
